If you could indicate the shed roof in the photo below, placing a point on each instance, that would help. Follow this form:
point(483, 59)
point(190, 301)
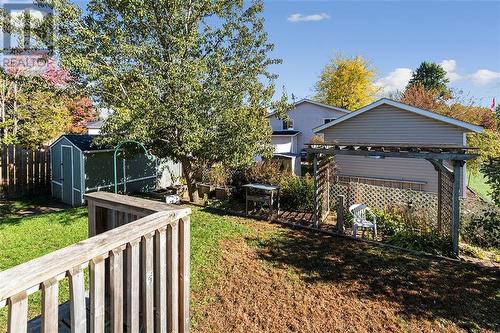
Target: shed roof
point(83, 142)
point(422, 112)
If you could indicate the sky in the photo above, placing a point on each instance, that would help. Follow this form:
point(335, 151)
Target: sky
point(394, 36)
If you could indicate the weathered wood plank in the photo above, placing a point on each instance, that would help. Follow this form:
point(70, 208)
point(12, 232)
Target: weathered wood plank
point(148, 282)
point(91, 219)
point(77, 305)
point(173, 277)
point(133, 269)
point(161, 279)
point(97, 306)
point(50, 305)
point(116, 289)
point(184, 273)
point(18, 313)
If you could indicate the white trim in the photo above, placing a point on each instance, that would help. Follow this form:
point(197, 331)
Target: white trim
point(75, 189)
point(57, 183)
point(422, 112)
point(60, 138)
point(306, 100)
point(82, 177)
point(120, 183)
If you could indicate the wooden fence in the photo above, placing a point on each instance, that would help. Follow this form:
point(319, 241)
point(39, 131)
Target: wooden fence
point(138, 273)
point(24, 171)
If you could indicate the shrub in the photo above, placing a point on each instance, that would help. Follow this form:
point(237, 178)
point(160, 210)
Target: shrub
point(483, 230)
point(297, 193)
point(425, 242)
point(267, 172)
point(219, 175)
point(388, 223)
point(491, 170)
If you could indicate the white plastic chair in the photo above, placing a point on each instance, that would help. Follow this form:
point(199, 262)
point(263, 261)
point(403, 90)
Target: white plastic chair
point(359, 219)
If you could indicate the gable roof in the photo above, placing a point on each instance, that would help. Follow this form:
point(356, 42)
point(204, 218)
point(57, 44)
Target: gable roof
point(422, 112)
point(310, 101)
point(82, 141)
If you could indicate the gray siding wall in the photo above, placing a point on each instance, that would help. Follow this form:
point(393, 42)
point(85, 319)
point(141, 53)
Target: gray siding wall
point(387, 124)
point(389, 168)
point(306, 117)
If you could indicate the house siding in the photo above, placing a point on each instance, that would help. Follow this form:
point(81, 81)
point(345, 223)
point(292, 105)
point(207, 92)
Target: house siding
point(306, 117)
point(388, 124)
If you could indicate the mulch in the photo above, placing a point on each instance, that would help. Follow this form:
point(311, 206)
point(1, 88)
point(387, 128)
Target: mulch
point(301, 281)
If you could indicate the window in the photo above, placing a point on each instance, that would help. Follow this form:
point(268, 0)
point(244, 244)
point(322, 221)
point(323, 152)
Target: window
point(327, 120)
point(288, 124)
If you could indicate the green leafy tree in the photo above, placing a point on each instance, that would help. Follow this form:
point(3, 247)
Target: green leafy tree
point(432, 77)
point(491, 170)
point(346, 83)
point(190, 79)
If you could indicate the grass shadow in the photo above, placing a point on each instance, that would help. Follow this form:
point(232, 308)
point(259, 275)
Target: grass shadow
point(429, 288)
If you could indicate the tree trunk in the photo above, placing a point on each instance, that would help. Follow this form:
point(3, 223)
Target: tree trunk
point(187, 171)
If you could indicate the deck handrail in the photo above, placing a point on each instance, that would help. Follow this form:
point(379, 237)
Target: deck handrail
point(155, 247)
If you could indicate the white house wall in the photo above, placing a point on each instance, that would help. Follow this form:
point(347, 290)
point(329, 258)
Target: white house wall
point(284, 144)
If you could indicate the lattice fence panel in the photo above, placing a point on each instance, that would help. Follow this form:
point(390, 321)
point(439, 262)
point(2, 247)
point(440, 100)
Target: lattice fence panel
point(423, 205)
point(325, 172)
point(444, 227)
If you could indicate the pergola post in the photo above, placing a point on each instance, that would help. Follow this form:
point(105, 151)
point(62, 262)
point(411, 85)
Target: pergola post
point(316, 216)
point(457, 184)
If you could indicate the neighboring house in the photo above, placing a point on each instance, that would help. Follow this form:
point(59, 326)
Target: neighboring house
point(94, 127)
point(388, 121)
point(289, 137)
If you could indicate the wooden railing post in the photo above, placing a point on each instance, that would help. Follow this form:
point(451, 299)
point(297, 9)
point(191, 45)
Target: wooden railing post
point(161, 279)
point(133, 285)
point(172, 277)
point(148, 282)
point(77, 304)
point(184, 273)
point(50, 304)
point(116, 288)
point(340, 214)
point(18, 313)
point(97, 306)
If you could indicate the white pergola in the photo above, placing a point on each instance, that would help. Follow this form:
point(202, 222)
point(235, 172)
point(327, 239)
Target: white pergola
point(435, 154)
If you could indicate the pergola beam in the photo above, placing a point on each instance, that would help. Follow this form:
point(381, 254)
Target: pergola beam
point(400, 154)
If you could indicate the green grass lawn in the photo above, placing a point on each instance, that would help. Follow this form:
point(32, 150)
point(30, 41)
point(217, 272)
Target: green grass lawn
point(23, 238)
point(478, 184)
point(245, 273)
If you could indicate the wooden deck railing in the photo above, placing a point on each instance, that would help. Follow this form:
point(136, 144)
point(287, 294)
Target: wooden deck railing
point(139, 271)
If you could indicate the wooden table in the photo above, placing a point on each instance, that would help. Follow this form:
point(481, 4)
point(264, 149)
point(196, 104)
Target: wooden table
point(270, 196)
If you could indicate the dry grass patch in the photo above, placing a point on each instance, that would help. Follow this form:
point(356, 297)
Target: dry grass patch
point(280, 280)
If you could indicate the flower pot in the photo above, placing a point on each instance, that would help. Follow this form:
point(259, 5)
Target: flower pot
point(205, 189)
point(222, 193)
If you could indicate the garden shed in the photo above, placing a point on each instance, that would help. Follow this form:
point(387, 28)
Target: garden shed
point(79, 167)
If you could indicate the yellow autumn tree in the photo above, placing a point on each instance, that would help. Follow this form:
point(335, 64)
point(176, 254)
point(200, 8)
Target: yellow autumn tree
point(347, 83)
